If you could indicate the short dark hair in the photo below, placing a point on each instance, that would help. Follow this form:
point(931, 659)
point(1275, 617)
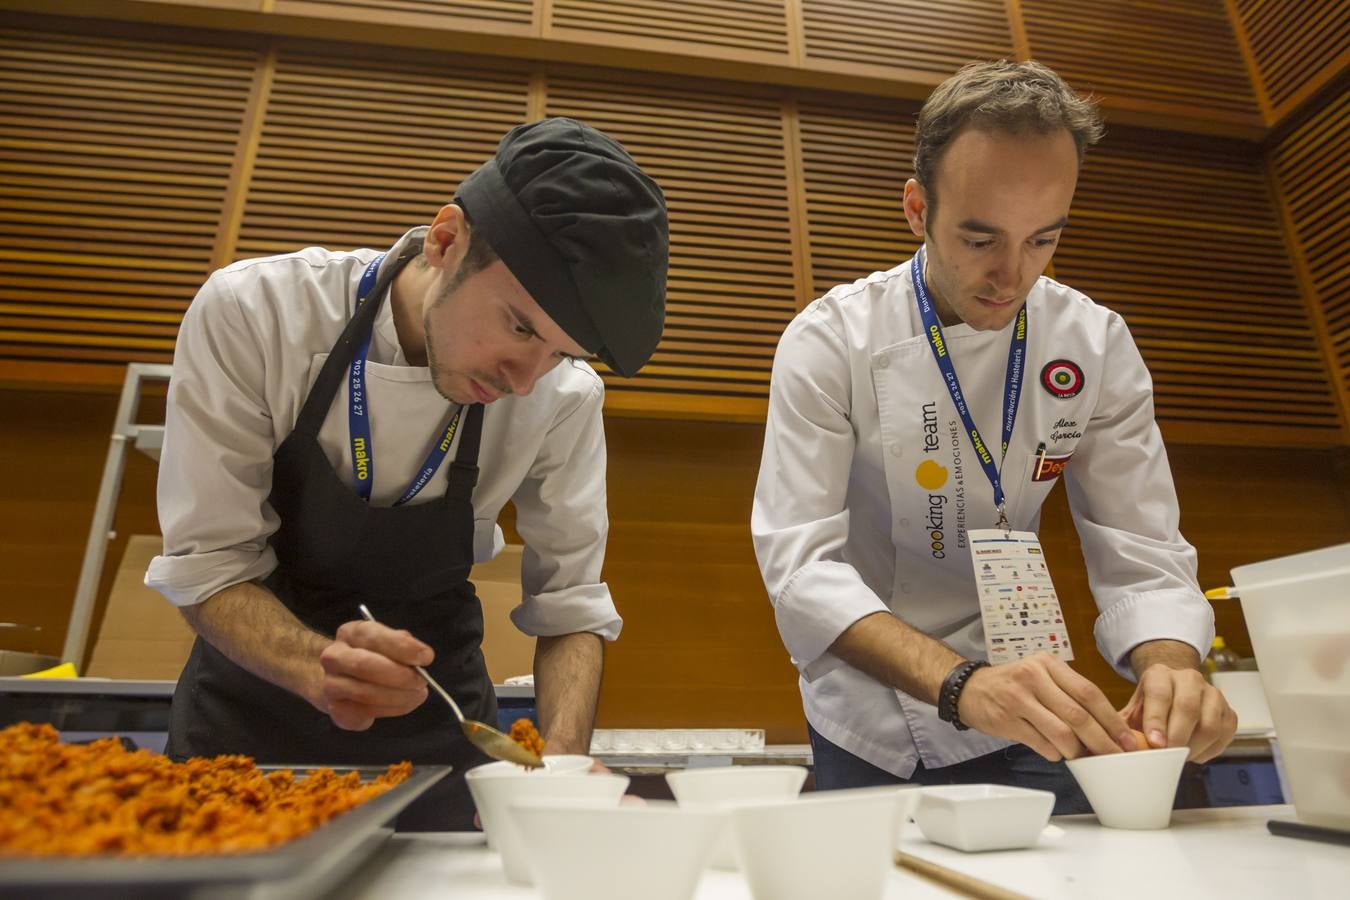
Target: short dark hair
point(1016, 97)
point(478, 255)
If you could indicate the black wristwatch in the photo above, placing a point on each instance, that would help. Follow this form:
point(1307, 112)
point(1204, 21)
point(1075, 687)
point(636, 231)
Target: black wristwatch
point(950, 693)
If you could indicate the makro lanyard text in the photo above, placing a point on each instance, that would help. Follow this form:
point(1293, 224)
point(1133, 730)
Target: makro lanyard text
point(358, 413)
point(1017, 351)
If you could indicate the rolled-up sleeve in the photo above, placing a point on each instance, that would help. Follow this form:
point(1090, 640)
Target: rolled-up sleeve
point(215, 469)
point(563, 521)
point(800, 521)
point(1142, 572)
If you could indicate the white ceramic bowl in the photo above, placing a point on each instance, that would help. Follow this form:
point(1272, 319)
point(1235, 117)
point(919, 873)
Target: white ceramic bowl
point(828, 844)
point(497, 794)
point(724, 786)
point(974, 817)
point(654, 852)
point(489, 810)
point(1131, 790)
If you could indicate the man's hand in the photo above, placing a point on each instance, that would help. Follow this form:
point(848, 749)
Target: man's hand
point(1041, 702)
point(368, 674)
point(1175, 707)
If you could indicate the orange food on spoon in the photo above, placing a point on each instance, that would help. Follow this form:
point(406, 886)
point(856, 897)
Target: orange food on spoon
point(526, 735)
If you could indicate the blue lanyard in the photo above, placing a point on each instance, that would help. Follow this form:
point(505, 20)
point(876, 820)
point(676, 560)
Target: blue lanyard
point(1017, 351)
point(358, 418)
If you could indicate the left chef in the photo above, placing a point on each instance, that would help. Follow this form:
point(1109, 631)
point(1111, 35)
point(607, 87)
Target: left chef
point(328, 416)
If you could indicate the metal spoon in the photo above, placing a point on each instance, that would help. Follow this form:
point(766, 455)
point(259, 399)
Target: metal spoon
point(486, 738)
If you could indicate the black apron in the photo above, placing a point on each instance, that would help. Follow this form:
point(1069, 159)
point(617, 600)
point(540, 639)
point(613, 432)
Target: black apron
point(409, 564)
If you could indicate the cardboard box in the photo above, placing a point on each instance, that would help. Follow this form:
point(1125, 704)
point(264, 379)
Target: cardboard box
point(143, 636)
point(508, 651)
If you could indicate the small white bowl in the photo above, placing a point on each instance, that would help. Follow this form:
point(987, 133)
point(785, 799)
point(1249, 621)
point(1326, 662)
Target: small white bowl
point(724, 786)
point(490, 811)
point(655, 852)
point(494, 796)
point(1131, 790)
point(975, 817)
point(826, 844)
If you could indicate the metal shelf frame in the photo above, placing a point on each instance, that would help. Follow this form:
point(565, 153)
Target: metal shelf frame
point(147, 438)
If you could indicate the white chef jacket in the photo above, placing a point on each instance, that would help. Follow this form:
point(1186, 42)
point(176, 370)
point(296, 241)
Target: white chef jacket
point(843, 528)
point(251, 346)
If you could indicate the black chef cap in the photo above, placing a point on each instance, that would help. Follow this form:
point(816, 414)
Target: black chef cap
point(583, 229)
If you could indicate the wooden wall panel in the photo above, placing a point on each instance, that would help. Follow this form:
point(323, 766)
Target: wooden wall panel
point(1180, 236)
point(115, 159)
point(1143, 55)
point(712, 26)
point(1311, 167)
point(1298, 46)
point(911, 39)
point(855, 161)
point(510, 16)
point(719, 159)
point(699, 647)
point(356, 151)
point(65, 435)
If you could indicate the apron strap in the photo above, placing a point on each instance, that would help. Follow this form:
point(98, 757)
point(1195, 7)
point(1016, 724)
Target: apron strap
point(334, 370)
point(463, 476)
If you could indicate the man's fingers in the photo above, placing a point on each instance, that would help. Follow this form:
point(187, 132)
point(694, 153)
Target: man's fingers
point(1023, 733)
point(378, 701)
point(369, 665)
point(1083, 706)
point(349, 716)
point(1188, 692)
point(1218, 724)
point(1052, 728)
point(1086, 729)
point(399, 646)
point(1157, 690)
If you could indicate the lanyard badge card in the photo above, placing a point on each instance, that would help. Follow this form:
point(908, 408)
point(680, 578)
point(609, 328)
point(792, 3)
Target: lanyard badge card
point(1018, 604)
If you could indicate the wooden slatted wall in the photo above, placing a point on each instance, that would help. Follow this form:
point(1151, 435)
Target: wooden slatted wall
point(720, 160)
point(1311, 166)
point(115, 162)
point(775, 197)
point(855, 161)
point(1298, 46)
point(913, 39)
point(1140, 54)
point(756, 27)
point(508, 16)
point(1180, 236)
point(354, 152)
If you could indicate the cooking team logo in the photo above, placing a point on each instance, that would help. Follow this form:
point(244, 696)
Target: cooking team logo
point(946, 500)
point(1063, 378)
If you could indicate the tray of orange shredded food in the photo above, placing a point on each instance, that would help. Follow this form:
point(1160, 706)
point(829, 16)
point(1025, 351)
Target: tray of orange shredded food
point(99, 819)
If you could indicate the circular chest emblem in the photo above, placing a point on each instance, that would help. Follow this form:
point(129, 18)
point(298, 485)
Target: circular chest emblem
point(1062, 378)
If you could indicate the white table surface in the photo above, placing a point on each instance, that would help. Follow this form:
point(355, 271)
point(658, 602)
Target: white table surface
point(1206, 853)
point(427, 866)
point(1223, 853)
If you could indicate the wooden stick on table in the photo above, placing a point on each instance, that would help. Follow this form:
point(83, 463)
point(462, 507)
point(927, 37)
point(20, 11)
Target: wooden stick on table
point(966, 884)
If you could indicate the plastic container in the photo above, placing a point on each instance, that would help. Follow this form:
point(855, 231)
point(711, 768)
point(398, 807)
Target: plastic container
point(1221, 659)
point(1298, 614)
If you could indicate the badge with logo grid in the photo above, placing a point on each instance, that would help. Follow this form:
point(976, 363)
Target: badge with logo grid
point(1018, 603)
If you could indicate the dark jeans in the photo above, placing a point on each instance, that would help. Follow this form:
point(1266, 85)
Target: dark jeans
point(1018, 765)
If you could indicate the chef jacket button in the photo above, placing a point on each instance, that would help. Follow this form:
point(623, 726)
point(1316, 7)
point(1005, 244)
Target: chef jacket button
point(884, 362)
point(895, 450)
point(904, 523)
